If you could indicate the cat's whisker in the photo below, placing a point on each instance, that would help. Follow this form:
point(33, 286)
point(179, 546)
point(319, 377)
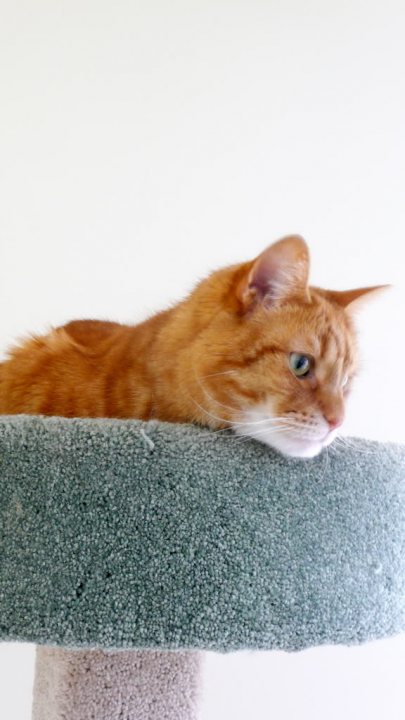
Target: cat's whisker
point(241, 423)
point(264, 431)
point(229, 433)
point(224, 372)
point(259, 437)
point(270, 419)
point(348, 442)
point(273, 418)
point(212, 416)
point(327, 460)
point(209, 396)
point(296, 431)
point(224, 433)
point(342, 443)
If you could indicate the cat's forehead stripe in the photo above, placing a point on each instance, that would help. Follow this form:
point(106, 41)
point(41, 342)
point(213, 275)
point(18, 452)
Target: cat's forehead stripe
point(335, 355)
point(332, 345)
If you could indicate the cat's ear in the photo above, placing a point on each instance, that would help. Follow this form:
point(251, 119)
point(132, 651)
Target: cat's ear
point(281, 271)
point(353, 300)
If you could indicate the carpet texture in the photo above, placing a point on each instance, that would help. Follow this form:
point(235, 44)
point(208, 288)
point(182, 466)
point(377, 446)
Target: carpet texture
point(124, 534)
point(124, 685)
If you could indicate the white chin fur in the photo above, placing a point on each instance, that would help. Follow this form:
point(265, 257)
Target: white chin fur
point(292, 447)
point(291, 444)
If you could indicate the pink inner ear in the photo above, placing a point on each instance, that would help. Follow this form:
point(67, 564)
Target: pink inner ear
point(266, 276)
point(280, 271)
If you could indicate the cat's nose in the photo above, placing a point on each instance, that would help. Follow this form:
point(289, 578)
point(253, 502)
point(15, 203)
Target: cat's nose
point(334, 420)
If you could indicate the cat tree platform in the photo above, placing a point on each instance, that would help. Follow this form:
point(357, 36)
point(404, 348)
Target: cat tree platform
point(128, 547)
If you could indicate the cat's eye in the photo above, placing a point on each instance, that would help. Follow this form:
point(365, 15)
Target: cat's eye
point(300, 364)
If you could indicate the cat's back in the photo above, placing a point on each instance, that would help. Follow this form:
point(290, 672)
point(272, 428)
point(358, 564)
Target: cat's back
point(63, 372)
point(91, 336)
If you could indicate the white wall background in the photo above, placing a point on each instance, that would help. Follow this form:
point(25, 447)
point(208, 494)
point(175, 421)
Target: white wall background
point(144, 143)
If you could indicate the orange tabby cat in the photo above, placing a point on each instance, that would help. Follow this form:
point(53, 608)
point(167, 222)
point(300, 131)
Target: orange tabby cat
point(252, 348)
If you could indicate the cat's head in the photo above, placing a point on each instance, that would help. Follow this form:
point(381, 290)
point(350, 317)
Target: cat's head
point(277, 359)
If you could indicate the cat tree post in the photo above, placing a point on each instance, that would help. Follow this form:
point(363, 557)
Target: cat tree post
point(128, 684)
point(128, 547)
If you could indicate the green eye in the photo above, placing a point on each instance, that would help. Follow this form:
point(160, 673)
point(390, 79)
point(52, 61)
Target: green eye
point(300, 364)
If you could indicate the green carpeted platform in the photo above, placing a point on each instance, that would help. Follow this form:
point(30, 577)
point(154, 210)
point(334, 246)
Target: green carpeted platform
point(123, 534)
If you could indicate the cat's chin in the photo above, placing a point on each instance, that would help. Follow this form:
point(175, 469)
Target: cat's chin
point(297, 447)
